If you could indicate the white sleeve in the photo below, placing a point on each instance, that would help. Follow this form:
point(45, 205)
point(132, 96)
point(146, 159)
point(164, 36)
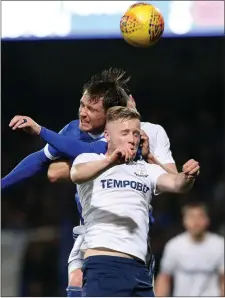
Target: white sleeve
point(154, 172)
point(162, 149)
point(168, 261)
point(85, 157)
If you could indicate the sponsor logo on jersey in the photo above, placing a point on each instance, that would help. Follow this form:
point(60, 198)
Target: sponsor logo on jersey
point(113, 183)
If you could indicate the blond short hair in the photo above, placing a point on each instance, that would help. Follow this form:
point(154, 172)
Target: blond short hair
point(122, 113)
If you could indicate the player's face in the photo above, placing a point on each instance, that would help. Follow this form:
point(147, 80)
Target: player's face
point(195, 221)
point(123, 134)
point(91, 114)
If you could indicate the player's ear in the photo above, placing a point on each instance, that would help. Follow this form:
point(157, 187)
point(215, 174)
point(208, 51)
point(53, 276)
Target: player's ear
point(106, 134)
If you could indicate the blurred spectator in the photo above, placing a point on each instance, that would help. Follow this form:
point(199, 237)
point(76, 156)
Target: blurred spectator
point(194, 260)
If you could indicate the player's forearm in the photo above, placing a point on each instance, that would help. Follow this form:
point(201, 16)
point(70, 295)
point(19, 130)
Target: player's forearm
point(163, 285)
point(71, 147)
point(28, 167)
point(183, 183)
point(88, 171)
point(59, 171)
point(169, 167)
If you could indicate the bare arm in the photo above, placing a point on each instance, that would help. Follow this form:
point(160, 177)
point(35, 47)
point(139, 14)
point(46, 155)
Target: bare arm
point(178, 183)
point(168, 167)
point(222, 282)
point(163, 285)
point(181, 182)
point(59, 170)
point(84, 172)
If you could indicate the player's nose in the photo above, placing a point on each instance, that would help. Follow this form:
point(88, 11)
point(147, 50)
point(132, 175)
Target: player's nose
point(82, 112)
point(131, 140)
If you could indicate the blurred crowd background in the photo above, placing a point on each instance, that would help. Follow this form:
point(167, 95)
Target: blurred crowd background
point(178, 84)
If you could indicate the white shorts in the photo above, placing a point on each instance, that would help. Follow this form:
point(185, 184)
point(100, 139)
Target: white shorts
point(76, 256)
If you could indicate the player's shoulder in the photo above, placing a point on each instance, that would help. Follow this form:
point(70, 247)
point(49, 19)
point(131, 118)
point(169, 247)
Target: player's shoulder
point(152, 130)
point(177, 240)
point(71, 128)
point(74, 124)
point(215, 238)
point(86, 157)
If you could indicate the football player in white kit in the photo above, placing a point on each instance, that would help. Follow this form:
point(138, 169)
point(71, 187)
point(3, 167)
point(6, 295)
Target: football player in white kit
point(115, 193)
point(155, 149)
point(193, 260)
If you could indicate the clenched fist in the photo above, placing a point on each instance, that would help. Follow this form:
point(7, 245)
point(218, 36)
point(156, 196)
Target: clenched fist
point(25, 123)
point(121, 156)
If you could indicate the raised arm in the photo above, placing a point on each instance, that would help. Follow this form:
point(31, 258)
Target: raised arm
point(33, 163)
point(87, 171)
point(67, 146)
point(85, 168)
point(179, 183)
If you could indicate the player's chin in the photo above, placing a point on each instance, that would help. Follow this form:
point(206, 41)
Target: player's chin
point(84, 126)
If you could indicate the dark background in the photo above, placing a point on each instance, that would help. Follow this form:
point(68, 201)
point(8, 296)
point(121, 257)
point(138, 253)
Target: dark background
point(177, 83)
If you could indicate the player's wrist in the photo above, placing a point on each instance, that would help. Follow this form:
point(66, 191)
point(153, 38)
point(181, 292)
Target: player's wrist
point(108, 162)
point(149, 158)
point(189, 177)
point(38, 129)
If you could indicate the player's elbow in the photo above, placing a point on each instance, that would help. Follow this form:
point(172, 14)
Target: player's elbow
point(75, 177)
point(58, 171)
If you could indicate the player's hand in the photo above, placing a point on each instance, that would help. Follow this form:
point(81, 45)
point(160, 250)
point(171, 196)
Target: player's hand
point(121, 156)
point(25, 123)
point(144, 144)
point(191, 168)
point(75, 278)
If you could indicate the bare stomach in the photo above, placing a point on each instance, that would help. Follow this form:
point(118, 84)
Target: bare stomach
point(99, 251)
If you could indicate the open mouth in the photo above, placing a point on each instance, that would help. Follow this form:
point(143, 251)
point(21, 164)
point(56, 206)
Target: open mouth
point(83, 121)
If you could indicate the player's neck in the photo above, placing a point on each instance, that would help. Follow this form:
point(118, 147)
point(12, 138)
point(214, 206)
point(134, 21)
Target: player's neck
point(97, 131)
point(110, 151)
point(198, 238)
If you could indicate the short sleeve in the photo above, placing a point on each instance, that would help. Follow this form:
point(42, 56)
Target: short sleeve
point(154, 172)
point(162, 149)
point(168, 261)
point(85, 157)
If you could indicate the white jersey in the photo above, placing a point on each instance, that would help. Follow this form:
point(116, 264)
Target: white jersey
point(159, 147)
point(159, 142)
point(115, 206)
point(195, 267)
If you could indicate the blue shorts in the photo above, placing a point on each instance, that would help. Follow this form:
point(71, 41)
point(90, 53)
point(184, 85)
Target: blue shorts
point(108, 276)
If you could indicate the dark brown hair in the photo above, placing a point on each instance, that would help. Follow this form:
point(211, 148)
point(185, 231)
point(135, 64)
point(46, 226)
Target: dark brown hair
point(111, 86)
point(194, 205)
